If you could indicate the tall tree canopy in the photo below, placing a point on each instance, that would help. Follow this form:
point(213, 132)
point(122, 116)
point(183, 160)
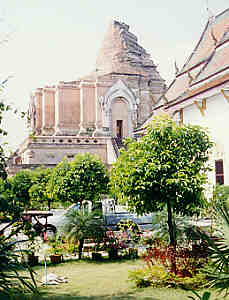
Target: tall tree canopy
point(166, 167)
point(20, 185)
point(85, 178)
point(38, 191)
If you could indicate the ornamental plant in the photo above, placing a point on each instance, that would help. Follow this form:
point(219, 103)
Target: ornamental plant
point(56, 247)
point(12, 282)
point(206, 296)
point(116, 241)
point(158, 277)
point(166, 168)
point(85, 178)
point(218, 247)
point(81, 225)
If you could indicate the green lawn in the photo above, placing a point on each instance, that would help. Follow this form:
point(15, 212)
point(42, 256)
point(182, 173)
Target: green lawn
point(89, 280)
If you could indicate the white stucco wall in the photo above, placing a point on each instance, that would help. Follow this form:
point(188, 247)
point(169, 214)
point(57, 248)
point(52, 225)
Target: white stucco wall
point(216, 119)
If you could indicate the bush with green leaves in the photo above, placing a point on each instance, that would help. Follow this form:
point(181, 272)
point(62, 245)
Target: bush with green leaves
point(40, 198)
point(81, 225)
point(205, 296)
point(218, 248)
point(183, 226)
point(220, 194)
point(20, 185)
point(166, 168)
point(10, 210)
point(11, 281)
point(85, 178)
point(158, 276)
point(11, 206)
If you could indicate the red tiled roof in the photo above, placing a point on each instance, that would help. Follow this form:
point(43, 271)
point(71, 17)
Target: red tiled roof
point(207, 64)
point(178, 87)
point(206, 86)
point(219, 62)
point(206, 43)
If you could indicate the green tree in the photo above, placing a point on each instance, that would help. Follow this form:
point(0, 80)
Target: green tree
point(11, 282)
point(10, 209)
point(3, 109)
point(85, 178)
point(20, 185)
point(55, 182)
point(81, 225)
point(165, 168)
point(38, 191)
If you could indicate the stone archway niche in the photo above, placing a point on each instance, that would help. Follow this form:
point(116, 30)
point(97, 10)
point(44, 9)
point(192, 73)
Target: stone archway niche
point(119, 117)
point(119, 104)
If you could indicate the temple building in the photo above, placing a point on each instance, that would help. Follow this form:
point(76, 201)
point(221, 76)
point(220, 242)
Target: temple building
point(93, 113)
point(199, 93)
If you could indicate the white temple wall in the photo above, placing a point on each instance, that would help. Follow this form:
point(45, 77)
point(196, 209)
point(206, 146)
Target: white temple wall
point(216, 118)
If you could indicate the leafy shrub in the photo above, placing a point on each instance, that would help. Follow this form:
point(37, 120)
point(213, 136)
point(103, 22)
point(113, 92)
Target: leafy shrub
point(188, 262)
point(124, 225)
point(158, 276)
point(71, 248)
point(140, 277)
point(218, 273)
point(116, 240)
point(220, 194)
point(220, 197)
point(205, 296)
point(11, 282)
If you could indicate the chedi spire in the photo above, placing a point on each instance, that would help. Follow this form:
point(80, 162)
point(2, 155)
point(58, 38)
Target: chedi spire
point(121, 53)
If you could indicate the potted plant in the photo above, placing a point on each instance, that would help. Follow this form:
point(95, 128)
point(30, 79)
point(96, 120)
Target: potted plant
point(32, 248)
point(112, 244)
point(95, 254)
point(56, 251)
point(71, 248)
point(33, 259)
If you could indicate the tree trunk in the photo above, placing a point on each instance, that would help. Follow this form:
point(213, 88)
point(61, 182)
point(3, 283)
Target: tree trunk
point(81, 242)
point(172, 238)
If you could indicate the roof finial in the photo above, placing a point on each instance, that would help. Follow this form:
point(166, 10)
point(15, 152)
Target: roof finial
point(176, 68)
point(211, 16)
point(213, 37)
point(190, 77)
point(211, 21)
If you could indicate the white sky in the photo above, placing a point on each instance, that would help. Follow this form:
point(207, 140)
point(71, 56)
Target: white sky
point(54, 40)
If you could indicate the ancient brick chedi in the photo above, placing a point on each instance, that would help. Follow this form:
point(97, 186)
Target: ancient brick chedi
point(84, 115)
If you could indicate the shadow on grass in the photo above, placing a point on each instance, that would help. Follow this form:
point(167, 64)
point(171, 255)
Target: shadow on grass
point(88, 261)
point(119, 296)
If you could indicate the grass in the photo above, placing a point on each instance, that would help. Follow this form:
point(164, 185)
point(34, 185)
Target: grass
point(106, 280)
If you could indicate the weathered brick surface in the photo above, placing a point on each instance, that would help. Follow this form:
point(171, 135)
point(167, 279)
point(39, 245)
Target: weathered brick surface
point(121, 53)
point(123, 87)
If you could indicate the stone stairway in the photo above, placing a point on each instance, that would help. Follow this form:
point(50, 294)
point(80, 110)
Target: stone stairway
point(117, 145)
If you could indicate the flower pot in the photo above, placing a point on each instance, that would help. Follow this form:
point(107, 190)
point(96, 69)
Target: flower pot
point(32, 260)
point(56, 258)
point(96, 256)
point(113, 253)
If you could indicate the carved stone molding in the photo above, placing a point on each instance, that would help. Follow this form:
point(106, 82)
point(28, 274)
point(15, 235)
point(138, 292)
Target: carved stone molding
point(119, 90)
